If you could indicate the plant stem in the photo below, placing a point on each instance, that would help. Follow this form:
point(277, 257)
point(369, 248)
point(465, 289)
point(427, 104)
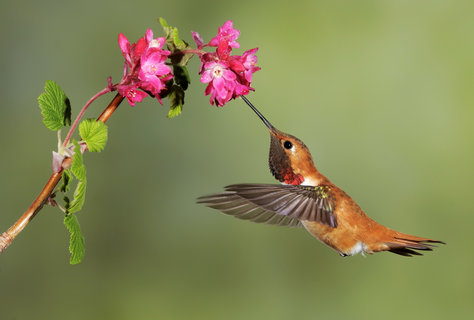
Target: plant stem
point(113, 105)
point(7, 237)
point(81, 113)
point(186, 51)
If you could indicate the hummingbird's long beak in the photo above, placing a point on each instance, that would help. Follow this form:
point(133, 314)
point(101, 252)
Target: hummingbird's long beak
point(265, 121)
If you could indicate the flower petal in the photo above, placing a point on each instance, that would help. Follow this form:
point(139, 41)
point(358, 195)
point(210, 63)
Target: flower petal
point(206, 76)
point(229, 75)
point(149, 35)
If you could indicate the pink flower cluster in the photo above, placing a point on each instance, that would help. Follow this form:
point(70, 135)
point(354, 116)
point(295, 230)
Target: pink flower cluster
point(144, 68)
point(227, 76)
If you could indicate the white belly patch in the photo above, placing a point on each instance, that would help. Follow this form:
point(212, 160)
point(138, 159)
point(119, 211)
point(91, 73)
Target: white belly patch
point(359, 247)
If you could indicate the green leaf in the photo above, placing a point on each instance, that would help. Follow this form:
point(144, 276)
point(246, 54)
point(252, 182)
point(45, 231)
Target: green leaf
point(79, 171)
point(66, 178)
point(175, 111)
point(94, 134)
point(76, 239)
point(175, 44)
point(180, 44)
point(181, 76)
point(77, 167)
point(164, 24)
point(176, 97)
point(79, 196)
point(55, 106)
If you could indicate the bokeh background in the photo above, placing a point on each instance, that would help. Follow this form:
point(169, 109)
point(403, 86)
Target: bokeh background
point(380, 91)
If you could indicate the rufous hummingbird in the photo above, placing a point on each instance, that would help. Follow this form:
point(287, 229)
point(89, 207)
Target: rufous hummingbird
point(307, 198)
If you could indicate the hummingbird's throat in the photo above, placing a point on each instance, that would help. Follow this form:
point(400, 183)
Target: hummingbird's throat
point(280, 164)
point(290, 178)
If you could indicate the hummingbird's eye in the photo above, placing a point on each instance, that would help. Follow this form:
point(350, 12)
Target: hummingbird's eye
point(287, 144)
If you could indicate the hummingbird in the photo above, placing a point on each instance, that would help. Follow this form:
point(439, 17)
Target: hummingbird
point(306, 198)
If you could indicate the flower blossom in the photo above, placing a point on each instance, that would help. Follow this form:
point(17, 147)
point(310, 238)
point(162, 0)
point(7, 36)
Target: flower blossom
point(226, 33)
point(228, 76)
point(222, 82)
point(131, 93)
point(145, 71)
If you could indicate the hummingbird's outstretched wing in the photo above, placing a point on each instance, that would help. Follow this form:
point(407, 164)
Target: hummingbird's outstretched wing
point(284, 205)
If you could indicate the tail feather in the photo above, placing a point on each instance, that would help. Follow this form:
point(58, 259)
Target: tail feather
point(405, 244)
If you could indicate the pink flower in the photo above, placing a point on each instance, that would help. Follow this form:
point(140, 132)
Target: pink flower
point(125, 47)
point(250, 63)
point(153, 65)
point(131, 93)
point(131, 53)
point(153, 71)
point(155, 44)
point(145, 68)
point(245, 65)
point(222, 82)
point(227, 76)
point(226, 33)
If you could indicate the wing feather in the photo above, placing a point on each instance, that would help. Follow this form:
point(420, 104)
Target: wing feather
point(285, 205)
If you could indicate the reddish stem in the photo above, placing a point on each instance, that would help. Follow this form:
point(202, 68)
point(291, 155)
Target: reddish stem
point(113, 105)
point(7, 237)
point(192, 51)
point(81, 113)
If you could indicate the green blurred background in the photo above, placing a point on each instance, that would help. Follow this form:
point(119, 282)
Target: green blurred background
point(380, 91)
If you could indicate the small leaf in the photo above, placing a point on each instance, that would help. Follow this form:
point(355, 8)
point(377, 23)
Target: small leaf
point(175, 44)
point(76, 239)
point(94, 134)
point(77, 167)
point(176, 97)
point(175, 111)
point(79, 196)
point(164, 24)
point(180, 44)
point(79, 171)
point(66, 178)
point(55, 106)
point(181, 76)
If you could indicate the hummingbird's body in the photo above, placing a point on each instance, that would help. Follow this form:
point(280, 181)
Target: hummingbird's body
point(357, 233)
point(309, 199)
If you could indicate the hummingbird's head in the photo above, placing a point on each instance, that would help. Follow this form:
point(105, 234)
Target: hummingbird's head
point(290, 160)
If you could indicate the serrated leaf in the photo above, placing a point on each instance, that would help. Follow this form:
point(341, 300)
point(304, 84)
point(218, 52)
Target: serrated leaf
point(55, 106)
point(176, 97)
point(180, 44)
point(76, 239)
point(181, 76)
point(77, 167)
point(66, 179)
point(164, 24)
point(175, 44)
point(94, 134)
point(175, 111)
point(79, 171)
point(79, 196)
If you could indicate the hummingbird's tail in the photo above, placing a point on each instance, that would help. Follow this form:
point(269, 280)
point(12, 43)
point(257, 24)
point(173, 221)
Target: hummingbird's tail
point(405, 244)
